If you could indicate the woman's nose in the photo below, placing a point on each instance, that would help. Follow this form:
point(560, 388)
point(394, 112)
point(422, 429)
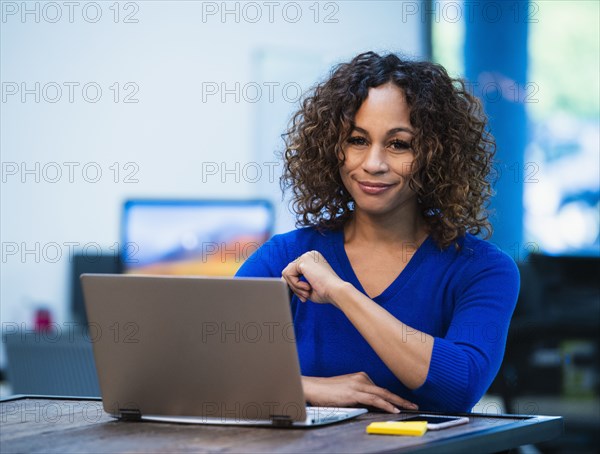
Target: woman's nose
point(375, 160)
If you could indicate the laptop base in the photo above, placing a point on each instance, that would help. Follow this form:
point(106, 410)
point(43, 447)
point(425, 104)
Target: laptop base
point(316, 416)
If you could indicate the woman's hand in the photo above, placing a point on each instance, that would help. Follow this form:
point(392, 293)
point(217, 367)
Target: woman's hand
point(352, 390)
point(321, 283)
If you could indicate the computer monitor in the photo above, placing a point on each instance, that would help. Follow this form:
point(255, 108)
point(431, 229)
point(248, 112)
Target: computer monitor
point(192, 237)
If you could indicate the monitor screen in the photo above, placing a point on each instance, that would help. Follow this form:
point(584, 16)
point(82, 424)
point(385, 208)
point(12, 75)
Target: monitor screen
point(193, 237)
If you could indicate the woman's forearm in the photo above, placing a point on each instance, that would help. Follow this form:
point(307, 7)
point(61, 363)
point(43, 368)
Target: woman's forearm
point(406, 351)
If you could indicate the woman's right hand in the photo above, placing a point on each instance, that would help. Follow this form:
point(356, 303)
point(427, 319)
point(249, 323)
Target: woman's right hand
point(351, 390)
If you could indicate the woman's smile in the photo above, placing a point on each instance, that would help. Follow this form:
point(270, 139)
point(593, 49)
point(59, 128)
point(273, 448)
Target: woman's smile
point(374, 188)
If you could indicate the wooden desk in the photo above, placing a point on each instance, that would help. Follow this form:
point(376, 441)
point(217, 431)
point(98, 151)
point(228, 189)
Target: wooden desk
point(46, 424)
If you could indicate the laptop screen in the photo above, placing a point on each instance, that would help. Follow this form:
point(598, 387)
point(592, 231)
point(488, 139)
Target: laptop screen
point(192, 237)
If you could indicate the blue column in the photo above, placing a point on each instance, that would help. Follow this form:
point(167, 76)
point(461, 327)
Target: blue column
point(496, 66)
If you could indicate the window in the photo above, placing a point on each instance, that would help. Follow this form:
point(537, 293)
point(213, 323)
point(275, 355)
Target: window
point(561, 163)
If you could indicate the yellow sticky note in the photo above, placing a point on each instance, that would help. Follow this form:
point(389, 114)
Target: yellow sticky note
point(412, 428)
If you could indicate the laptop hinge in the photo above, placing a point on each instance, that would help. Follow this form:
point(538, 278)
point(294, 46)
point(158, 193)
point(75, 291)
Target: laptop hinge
point(130, 414)
point(281, 420)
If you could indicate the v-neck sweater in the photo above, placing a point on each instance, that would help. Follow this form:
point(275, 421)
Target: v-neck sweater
point(463, 298)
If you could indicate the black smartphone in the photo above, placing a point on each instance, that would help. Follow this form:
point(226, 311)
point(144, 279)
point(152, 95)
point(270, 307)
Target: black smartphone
point(435, 422)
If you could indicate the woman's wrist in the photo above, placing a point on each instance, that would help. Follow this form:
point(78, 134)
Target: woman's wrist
point(341, 294)
point(307, 383)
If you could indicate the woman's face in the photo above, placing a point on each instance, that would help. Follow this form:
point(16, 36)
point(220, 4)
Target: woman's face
point(378, 155)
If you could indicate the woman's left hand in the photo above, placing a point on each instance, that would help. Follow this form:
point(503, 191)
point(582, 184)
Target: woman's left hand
point(322, 281)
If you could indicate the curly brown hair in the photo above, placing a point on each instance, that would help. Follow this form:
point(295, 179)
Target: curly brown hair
point(453, 149)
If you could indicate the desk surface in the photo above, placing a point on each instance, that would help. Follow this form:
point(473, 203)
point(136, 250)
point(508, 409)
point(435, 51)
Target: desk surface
point(42, 424)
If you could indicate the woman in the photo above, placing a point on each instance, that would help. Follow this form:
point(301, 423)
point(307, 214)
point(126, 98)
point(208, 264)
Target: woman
point(396, 303)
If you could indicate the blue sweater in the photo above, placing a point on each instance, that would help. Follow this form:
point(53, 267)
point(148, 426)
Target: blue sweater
point(464, 299)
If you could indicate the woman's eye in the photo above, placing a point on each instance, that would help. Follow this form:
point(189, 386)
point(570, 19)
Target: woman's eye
point(357, 141)
point(400, 145)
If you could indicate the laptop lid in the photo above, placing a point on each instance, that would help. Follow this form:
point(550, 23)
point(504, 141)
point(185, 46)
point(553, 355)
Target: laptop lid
point(194, 346)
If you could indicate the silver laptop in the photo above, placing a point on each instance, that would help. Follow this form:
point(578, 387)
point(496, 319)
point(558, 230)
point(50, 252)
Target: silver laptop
point(198, 350)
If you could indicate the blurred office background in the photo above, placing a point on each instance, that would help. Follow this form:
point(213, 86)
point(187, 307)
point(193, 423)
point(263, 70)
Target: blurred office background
point(184, 102)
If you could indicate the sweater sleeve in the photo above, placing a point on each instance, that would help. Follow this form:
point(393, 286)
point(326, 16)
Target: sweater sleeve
point(267, 261)
point(465, 361)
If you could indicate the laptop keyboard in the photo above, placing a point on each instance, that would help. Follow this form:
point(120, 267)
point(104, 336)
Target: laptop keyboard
point(326, 414)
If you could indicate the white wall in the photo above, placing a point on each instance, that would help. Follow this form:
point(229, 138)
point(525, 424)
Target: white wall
point(168, 135)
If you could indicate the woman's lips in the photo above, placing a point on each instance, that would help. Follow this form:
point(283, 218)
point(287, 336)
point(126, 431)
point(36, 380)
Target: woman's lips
point(372, 188)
